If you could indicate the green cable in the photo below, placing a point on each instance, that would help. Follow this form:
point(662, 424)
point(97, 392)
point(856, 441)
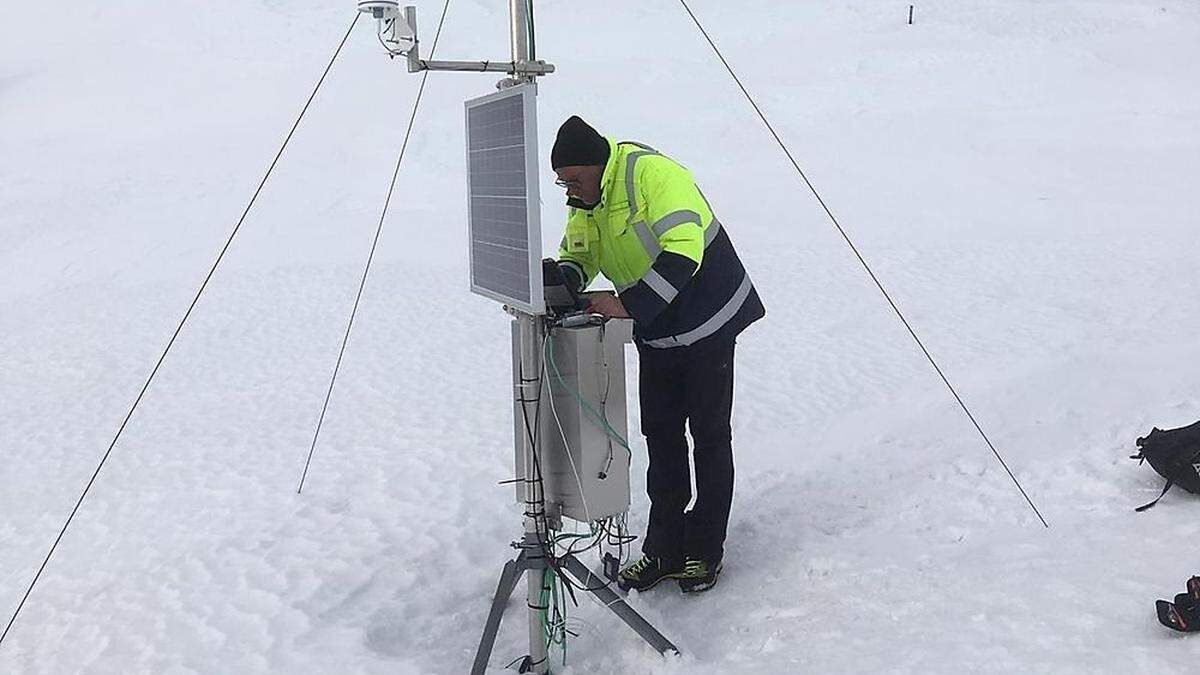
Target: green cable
point(544, 603)
point(555, 631)
point(595, 415)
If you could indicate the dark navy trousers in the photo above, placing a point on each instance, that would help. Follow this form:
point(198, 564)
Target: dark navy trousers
point(692, 388)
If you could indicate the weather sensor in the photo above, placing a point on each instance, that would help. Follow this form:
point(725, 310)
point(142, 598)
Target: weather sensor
point(395, 28)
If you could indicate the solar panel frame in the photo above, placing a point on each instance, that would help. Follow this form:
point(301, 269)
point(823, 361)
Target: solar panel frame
point(503, 201)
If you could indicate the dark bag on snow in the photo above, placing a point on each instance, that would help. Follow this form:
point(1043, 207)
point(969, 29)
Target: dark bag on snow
point(1175, 455)
point(1182, 615)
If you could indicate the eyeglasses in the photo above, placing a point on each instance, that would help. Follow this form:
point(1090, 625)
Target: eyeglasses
point(568, 183)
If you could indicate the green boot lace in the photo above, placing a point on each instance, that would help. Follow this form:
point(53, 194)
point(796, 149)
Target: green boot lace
point(634, 571)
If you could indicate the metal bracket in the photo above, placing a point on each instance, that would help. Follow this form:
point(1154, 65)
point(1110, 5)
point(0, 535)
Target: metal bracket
point(520, 69)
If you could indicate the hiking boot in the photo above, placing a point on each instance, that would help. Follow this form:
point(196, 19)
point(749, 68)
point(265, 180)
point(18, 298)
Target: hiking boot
point(643, 573)
point(698, 575)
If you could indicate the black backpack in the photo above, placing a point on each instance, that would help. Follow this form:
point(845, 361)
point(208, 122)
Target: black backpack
point(1175, 455)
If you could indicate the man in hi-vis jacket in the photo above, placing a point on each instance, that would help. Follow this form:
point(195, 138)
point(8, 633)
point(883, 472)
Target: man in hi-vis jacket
point(638, 218)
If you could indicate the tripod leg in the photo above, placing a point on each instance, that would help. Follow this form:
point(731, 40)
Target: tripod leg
point(508, 582)
point(598, 587)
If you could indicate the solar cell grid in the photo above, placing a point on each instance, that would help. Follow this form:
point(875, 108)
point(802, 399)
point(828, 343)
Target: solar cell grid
point(505, 236)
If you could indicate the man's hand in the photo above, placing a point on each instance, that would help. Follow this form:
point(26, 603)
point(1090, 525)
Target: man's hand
point(607, 304)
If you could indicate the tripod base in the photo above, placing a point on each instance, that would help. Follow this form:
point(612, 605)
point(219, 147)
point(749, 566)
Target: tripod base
point(514, 569)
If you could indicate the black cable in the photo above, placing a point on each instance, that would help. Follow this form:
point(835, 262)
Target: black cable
point(384, 44)
point(532, 35)
point(536, 508)
point(178, 328)
point(534, 435)
point(371, 256)
point(862, 260)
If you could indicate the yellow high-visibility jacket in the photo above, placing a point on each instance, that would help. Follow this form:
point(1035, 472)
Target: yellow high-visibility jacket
point(655, 237)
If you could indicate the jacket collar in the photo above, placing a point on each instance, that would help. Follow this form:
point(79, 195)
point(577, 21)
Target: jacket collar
point(610, 172)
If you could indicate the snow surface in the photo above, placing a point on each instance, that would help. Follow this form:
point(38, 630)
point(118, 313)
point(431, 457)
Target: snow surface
point(1021, 175)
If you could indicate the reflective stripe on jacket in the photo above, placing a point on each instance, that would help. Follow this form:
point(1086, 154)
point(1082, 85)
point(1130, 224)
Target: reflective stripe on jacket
point(655, 237)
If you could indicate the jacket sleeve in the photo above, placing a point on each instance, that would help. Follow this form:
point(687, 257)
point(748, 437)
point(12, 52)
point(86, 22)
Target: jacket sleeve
point(675, 212)
point(577, 251)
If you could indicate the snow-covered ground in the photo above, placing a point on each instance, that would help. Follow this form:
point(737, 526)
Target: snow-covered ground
point(1021, 174)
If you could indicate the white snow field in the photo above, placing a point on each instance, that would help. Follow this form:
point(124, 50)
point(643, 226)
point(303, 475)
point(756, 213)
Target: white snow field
point(1021, 174)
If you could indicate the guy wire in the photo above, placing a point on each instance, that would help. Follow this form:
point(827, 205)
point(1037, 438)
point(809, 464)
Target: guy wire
point(862, 260)
point(371, 256)
point(178, 329)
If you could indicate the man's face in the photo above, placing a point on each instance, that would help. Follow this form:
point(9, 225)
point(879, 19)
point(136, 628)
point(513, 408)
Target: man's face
point(581, 182)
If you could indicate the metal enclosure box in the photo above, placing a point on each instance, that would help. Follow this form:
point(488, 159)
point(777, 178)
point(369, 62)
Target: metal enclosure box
point(583, 383)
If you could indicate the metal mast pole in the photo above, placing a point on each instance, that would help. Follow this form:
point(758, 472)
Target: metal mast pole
point(531, 335)
point(531, 357)
point(521, 29)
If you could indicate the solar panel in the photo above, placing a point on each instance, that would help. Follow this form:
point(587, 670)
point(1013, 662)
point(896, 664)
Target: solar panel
point(503, 206)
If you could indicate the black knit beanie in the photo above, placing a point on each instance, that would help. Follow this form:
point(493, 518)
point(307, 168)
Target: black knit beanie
point(578, 144)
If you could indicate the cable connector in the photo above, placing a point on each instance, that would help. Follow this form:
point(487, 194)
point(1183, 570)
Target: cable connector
point(579, 319)
point(612, 566)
